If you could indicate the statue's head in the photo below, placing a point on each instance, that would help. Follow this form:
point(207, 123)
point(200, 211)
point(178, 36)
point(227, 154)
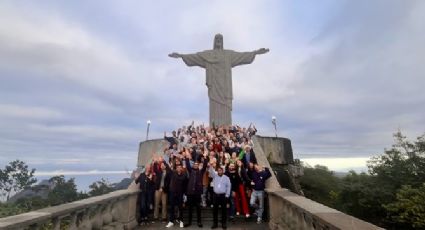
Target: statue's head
point(218, 42)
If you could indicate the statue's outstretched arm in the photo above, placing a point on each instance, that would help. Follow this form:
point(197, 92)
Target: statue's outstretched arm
point(243, 58)
point(261, 51)
point(190, 59)
point(175, 55)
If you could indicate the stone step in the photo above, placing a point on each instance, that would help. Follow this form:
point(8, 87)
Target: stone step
point(207, 215)
point(207, 225)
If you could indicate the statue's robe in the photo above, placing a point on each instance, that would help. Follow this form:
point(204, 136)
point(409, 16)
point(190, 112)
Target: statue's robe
point(218, 65)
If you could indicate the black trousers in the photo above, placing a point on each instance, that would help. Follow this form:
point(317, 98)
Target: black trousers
point(144, 205)
point(194, 201)
point(220, 200)
point(175, 200)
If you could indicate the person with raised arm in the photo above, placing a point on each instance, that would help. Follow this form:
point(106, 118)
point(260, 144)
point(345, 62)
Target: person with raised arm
point(146, 184)
point(178, 184)
point(194, 187)
point(259, 177)
point(222, 188)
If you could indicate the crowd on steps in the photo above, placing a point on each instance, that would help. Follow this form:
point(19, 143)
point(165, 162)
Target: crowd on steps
point(203, 167)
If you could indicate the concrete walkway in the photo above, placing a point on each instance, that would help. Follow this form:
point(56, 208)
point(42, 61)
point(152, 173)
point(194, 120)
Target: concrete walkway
point(207, 226)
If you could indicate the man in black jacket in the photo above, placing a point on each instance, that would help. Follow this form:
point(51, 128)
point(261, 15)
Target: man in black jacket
point(259, 177)
point(178, 186)
point(173, 140)
point(195, 187)
point(146, 184)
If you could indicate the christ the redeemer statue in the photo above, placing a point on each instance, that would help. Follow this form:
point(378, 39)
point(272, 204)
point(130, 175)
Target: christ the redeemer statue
point(218, 64)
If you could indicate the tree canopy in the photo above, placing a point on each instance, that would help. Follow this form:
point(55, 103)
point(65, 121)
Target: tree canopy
point(391, 194)
point(15, 177)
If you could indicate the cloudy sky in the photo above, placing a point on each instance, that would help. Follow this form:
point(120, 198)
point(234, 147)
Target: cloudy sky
point(79, 79)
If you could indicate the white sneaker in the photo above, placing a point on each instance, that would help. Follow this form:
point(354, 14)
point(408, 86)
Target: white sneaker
point(259, 220)
point(170, 224)
point(181, 224)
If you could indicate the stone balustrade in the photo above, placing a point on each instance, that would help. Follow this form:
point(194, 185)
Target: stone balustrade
point(291, 211)
point(115, 210)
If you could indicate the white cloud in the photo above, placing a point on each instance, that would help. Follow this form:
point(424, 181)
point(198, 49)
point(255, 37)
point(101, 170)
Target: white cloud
point(77, 173)
point(50, 46)
point(340, 164)
point(28, 112)
point(87, 132)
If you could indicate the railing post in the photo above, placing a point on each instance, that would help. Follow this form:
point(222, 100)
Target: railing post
point(106, 214)
point(85, 219)
point(34, 226)
point(73, 221)
point(97, 216)
point(56, 222)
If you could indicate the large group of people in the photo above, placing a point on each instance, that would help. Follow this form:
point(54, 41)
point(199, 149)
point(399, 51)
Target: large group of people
point(203, 167)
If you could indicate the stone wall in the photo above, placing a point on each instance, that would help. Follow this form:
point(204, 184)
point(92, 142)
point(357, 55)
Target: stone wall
point(288, 210)
point(147, 148)
point(115, 210)
point(277, 149)
point(291, 211)
point(263, 161)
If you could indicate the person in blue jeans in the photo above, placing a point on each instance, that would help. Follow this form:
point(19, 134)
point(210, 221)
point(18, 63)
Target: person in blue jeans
point(259, 177)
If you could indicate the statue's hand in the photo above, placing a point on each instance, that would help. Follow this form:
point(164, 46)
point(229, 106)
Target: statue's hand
point(174, 55)
point(262, 51)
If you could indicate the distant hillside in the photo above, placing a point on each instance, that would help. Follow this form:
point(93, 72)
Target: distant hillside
point(340, 174)
point(42, 190)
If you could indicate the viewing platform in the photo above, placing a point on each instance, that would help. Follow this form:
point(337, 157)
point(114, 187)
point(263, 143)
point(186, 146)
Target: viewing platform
point(118, 210)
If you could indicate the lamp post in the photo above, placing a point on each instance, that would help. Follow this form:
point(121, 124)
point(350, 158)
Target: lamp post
point(147, 130)
point(274, 124)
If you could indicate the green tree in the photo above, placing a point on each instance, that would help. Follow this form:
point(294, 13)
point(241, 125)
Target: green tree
point(320, 184)
point(8, 209)
point(391, 195)
point(403, 164)
point(30, 203)
point(64, 191)
point(362, 196)
point(408, 210)
point(100, 187)
point(15, 177)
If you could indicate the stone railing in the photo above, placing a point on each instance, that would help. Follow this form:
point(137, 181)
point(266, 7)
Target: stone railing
point(291, 211)
point(115, 210)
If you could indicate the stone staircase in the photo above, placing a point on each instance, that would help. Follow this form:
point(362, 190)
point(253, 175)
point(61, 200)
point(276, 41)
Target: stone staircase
point(207, 217)
point(238, 222)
